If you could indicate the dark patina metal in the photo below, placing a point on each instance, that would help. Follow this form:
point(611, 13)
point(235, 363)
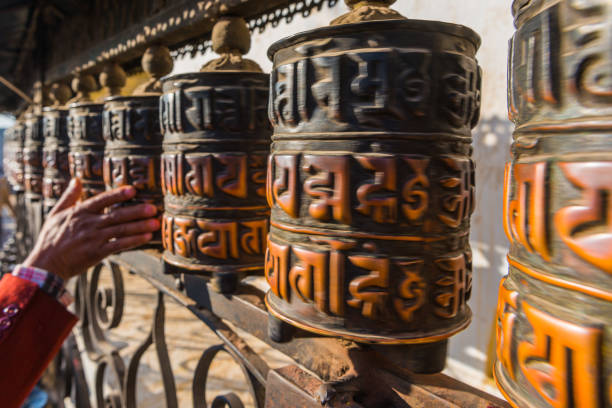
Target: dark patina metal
point(13, 156)
point(326, 371)
point(216, 143)
point(133, 148)
point(19, 132)
point(370, 179)
point(84, 124)
point(55, 156)
point(133, 137)
point(8, 154)
point(33, 172)
point(555, 306)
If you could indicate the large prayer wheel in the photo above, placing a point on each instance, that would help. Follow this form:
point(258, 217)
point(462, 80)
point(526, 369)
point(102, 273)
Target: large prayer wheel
point(554, 317)
point(85, 132)
point(370, 178)
point(55, 149)
point(133, 136)
point(216, 143)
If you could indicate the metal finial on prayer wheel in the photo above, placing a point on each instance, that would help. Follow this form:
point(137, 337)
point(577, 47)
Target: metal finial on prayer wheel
point(84, 125)
point(133, 139)
point(83, 85)
point(113, 77)
point(59, 94)
point(231, 39)
point(216, 143)
point(368, 10)
point(371, 181)
point(157, 63)
point(358, 3)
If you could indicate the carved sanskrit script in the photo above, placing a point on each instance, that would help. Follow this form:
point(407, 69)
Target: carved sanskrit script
point(223, 108)
point(397, 189)
point(534, 78)
point(525, 214)
point(381, 86)
point(189, 237)
point(587, 228)
point(329, 184)
point(459, 204)
point(453, 289)
point(318, 275)
point(84, 127)
point(506, 318)
point(139, 172)
point(562, 361)
point(282, 189)
point(86, 166)
point(128, 123)
point(590, 33)
point(203, 174)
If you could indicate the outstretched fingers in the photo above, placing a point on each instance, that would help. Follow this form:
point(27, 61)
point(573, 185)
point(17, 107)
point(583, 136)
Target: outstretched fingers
point(127, 214)
point(69, 198)
point(99, 202)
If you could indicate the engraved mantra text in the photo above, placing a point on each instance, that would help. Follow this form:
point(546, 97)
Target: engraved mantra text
point(384, 196)
point(319, 276)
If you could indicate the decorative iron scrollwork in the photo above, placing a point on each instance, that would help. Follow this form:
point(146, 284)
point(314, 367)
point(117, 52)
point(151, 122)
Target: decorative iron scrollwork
point(101, 309)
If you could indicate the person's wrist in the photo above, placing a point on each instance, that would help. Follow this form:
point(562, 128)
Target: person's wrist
point(40, 261)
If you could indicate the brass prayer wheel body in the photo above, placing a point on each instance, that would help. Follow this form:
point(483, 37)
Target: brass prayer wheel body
point(370, 180)
point(8, 155)
point(33, 172)
point(33, 155)
point(19, 137)
point(554, 316)
point(13, 156)
point(86, 146)
point(215, 147)
point(133, 149)
point(55, 156)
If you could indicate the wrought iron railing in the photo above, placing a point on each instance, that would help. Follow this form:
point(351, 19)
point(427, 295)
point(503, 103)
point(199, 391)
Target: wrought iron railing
point(369, 376)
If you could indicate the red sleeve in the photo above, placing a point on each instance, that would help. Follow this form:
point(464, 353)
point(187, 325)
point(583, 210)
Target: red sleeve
point(33, 327)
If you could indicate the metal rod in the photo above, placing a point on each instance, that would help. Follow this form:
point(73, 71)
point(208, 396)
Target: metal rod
point(13, 88)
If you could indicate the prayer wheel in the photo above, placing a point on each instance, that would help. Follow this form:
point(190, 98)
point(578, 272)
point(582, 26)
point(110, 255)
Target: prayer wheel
point(33, 172)
point(370, 178)
point(6, 153)
point(56, 174)
point(18, 132)
point(84, 124)
point(554, 316)
point(133, 136)
point(12, 152)
point(16, 180)
point(216, 143)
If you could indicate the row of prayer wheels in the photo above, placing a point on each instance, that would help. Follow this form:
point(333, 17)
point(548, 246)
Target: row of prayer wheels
point(346, 178)
point(358, 211)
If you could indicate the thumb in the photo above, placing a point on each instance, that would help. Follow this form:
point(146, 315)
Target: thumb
point(70, 196)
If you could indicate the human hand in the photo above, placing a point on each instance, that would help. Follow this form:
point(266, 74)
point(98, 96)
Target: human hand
point(78, 235)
